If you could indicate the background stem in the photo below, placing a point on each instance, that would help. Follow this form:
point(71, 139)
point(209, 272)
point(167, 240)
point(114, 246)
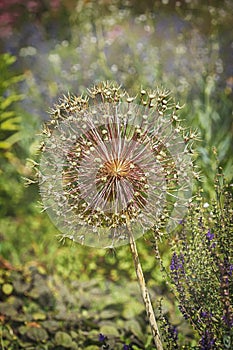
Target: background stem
point(144, 291)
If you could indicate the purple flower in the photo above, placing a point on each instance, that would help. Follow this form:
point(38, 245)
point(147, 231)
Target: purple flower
point(127, 347)
point(206, 315)
point(203, 314)
point(177, 262)
point(102, 338)
point(228, 319)
point(173, 264)
point(210, 235)
point(207, 341)
point(173, 332)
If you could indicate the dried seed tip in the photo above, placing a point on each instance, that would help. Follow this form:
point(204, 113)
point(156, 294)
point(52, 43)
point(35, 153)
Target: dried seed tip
point(111, 162)
point(108, 91)
point(130, 99)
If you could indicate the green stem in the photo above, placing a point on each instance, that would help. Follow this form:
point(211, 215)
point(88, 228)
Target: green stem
point(144, 292)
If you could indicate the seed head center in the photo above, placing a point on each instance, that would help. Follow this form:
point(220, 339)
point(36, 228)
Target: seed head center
point(118, 168)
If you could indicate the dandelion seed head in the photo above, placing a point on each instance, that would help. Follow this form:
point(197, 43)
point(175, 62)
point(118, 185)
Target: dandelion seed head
point(112, 164)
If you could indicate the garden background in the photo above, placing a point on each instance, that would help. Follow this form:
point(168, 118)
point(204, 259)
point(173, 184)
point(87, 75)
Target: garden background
point(54, 295)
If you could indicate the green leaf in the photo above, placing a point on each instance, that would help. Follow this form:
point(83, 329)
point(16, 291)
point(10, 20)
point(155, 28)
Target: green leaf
point(51, 325)
point(63, 339)
point(8, 310)
point(109, 330)
point(7, 59)
point(11, 124)
point(10, 140)
point(23, 329)
point(37, 334)
point(9, 100)
point(134, 327)
point(7, 288)
point(132, 309)
point(106, 314)
point(6, 115)
point(11, 81)
point(39, 316)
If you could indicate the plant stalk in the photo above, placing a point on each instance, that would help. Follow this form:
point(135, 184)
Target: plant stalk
point(144, 292)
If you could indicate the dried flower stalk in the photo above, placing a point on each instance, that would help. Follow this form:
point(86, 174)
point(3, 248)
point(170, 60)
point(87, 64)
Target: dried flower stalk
point(145, 293)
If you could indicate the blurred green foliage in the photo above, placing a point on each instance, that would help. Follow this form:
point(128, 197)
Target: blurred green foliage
point(17, 133)
point(41, 312)
point(10, 134)
point(9, 120)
